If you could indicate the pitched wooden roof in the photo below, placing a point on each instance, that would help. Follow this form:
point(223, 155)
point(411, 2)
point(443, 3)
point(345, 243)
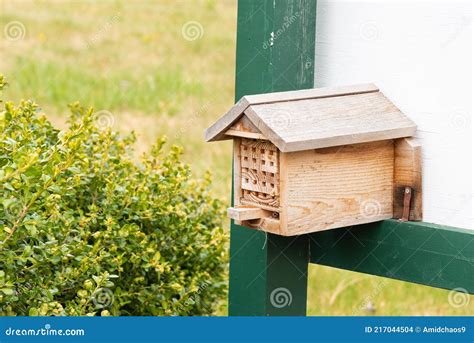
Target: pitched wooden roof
point(318, 118)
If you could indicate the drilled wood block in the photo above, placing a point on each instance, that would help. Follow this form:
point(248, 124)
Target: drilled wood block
point(259, 170)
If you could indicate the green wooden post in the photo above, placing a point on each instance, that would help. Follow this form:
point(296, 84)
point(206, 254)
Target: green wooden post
point(275, 52)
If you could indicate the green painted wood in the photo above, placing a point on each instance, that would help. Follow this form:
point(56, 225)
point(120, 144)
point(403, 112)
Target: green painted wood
point(268, 273)
point(423, 253)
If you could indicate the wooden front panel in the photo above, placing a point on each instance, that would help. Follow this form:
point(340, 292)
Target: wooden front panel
point(336, 187)
point(259, 173)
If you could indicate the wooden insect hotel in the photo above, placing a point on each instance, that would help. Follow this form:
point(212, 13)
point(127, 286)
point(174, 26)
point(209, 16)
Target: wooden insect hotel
point(320, 159)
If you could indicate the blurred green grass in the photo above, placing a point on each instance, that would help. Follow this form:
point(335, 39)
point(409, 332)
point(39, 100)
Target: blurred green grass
point(131, 58)
point(156, 91)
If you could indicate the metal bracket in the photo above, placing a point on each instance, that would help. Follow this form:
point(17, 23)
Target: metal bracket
point(406, 204)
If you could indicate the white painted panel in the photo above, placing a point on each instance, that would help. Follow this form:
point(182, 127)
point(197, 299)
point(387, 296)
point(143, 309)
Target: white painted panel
point(420, 55)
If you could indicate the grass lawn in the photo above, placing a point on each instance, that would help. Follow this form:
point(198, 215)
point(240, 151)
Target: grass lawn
point(167, 68)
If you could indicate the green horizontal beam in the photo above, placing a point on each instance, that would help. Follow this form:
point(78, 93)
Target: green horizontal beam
point(423, 253)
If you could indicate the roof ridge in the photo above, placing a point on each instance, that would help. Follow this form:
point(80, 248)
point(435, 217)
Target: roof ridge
point(310, 93)
point(217, 130)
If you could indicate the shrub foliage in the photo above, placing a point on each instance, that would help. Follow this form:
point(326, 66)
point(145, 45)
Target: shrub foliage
point(87, 230)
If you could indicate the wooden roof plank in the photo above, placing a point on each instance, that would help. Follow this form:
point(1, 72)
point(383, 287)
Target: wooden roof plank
point(318, 118)
point(217, 130)
point(319, 123)
point(314, 93)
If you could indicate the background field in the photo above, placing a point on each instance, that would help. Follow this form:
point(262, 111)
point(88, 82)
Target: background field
point(167, 68)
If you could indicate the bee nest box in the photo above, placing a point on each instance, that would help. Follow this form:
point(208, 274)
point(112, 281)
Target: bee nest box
point(319, 159)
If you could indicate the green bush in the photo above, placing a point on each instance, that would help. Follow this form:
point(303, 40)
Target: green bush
point(86, 230)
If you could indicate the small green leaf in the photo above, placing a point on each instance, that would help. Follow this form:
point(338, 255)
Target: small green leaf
point(33, 311)
point(7, 291)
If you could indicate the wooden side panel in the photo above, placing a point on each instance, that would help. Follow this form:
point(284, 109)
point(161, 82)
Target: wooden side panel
point(236, 175)
point(407, 172)
point(338, 186)
point(284, 160)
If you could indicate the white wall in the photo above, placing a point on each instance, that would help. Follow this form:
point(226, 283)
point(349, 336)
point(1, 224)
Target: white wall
point(420, 56)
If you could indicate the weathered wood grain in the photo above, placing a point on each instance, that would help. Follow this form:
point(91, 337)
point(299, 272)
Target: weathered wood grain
point(331, 121)
point(244, 128)
point(236, 175)
point(266, 224)
point(241, 213)
point(407, 172)
point(259, 172)
point(271, 225)
point(261, 199)
point(260, 182)
point(245, 125)
point(259, 155)
point(270, 208)
point(217, 130)
point(314, 93)
point(244, 134)
point(335, 187)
